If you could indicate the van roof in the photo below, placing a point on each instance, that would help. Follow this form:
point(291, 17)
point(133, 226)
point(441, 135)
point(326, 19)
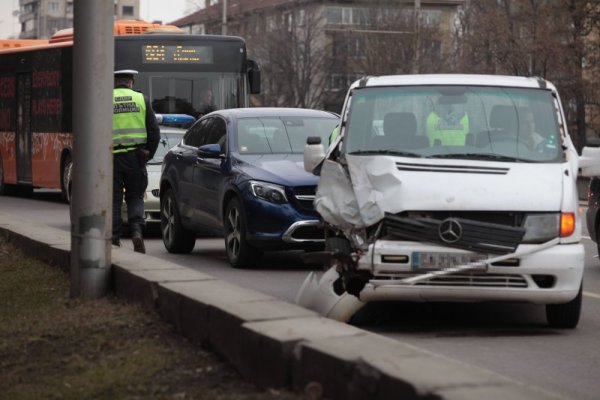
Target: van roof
point(455, 79)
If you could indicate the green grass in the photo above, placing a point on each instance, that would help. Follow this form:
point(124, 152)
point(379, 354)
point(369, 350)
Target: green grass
point(55, 347)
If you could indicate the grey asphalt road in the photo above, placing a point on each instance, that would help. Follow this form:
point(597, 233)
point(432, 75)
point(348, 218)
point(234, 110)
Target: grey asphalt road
point(512, 340)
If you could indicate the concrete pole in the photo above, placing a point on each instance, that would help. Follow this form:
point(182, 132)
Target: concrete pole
point(224, 18)
point(91, 206)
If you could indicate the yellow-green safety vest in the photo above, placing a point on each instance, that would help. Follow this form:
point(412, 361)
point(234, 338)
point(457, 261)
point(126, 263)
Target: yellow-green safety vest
point(334, 134)
point(129, 120)
point(449, 134)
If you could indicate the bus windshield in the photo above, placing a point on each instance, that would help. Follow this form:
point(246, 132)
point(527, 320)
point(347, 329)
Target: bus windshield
point(192, 93)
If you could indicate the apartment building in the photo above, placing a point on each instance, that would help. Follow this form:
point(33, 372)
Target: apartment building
point(311, 50)
point(40, 19)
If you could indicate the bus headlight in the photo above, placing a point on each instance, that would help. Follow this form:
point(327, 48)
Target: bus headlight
point(268, 191)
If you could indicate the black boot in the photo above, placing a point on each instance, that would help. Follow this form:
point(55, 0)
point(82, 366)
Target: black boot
point(138, 241)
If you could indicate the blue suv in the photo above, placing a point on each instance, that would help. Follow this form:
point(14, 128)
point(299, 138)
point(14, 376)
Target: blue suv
point(239, 173)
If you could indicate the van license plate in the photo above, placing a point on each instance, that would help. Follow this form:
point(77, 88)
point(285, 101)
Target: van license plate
point(434, 261)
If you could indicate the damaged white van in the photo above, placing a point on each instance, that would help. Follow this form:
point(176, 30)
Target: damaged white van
point(450, 188)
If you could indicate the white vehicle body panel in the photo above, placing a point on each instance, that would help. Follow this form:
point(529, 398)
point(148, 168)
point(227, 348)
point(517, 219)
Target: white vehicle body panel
point(355, 193)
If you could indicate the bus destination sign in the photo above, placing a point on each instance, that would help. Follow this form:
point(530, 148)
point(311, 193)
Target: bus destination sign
point(176, 54)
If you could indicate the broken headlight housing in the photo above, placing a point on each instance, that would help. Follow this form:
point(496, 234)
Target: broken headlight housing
point(541, 227)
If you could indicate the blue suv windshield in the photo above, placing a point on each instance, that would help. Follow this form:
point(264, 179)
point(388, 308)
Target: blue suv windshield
point(281, 134)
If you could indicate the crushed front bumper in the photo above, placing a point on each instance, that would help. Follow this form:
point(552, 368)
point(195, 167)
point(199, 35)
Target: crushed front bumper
point(537, 274)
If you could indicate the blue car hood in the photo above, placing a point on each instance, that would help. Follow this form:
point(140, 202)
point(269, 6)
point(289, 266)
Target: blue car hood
point(283, 169)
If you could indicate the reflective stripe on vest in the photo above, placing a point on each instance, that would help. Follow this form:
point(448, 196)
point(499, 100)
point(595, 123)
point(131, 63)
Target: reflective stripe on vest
point(129, 120)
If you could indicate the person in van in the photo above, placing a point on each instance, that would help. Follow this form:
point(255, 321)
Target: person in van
point(447, 125)
point(527, 131)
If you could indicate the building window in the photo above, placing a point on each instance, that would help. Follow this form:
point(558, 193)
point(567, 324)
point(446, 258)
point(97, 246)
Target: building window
point(352, 47)
point(347, 16)
point(198, 29)
point(431, 17)
point(271, 23)
point(357, 47)
point(289, 21)
point(28, 8)
point(53, 6)
point(127, 11)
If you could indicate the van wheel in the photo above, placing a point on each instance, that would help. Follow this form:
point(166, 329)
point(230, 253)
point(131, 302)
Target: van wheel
point(565, 315)
point(175, 237)
point(66, 179)
point(239, 252)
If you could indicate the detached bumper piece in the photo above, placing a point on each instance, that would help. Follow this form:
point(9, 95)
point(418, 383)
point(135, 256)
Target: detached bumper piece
point(480, 237)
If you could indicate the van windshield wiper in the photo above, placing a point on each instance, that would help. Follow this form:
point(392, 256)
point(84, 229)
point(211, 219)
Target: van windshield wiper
point(482, 156)
point(387, 152)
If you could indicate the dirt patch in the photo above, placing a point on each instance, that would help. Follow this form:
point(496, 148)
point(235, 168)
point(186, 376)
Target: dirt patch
point(55, 347)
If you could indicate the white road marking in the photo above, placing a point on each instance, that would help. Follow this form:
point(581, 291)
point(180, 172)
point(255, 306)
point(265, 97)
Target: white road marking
point(590, 294)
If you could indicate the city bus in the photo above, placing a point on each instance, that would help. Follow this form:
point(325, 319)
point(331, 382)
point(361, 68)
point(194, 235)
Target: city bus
point(176, 71)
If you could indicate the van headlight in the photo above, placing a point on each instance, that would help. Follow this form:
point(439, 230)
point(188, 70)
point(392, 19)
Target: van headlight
point(268, 191)
point(540, 228)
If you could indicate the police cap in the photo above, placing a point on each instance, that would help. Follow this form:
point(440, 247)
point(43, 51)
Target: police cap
point(129, 73)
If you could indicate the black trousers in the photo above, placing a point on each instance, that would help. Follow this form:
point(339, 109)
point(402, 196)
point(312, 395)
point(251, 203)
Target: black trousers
point(130, 180)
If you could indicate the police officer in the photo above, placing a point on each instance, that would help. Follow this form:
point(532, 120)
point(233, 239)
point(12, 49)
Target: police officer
point(135, 138)
point(446, 126)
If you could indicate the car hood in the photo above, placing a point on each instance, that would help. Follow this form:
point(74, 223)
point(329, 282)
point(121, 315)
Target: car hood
point(380, 184)
point(283, 169)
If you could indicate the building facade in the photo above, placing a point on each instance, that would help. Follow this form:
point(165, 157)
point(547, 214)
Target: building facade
point(311, 50)
point(40, 19)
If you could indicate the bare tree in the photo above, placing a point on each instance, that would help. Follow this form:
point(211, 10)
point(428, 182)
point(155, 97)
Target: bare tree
point(292, 55)
point(547, 38)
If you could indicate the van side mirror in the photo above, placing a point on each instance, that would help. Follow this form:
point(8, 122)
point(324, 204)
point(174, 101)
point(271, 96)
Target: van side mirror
point(314, 153)
point(589, 161)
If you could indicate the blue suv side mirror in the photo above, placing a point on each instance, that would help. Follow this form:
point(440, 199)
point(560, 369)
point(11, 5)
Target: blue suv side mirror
point(210, 151)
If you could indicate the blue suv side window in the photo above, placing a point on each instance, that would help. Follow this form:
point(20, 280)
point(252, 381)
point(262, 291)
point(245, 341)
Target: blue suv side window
point(217, 133)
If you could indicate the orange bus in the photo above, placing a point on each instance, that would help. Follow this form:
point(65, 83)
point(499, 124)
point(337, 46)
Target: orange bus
point(175, 71)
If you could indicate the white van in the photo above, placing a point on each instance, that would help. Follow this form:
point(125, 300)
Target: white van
point(450, 188)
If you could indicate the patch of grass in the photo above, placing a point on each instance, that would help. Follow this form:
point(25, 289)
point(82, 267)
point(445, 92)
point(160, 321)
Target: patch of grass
point(55, 347)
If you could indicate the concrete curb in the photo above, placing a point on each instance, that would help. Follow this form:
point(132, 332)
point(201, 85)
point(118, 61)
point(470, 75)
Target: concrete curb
point(274, 343)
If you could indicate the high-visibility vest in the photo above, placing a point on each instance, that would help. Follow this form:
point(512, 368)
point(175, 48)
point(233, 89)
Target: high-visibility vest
point(449, 133)
point(129, 120)
point(334, 134)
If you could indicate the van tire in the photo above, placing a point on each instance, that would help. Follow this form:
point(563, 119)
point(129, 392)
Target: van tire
point(565, 316)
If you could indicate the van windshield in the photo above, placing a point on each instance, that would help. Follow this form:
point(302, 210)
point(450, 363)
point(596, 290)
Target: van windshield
point(469, 122)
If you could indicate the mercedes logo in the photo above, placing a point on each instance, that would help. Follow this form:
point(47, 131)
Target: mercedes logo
point(450, 230)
